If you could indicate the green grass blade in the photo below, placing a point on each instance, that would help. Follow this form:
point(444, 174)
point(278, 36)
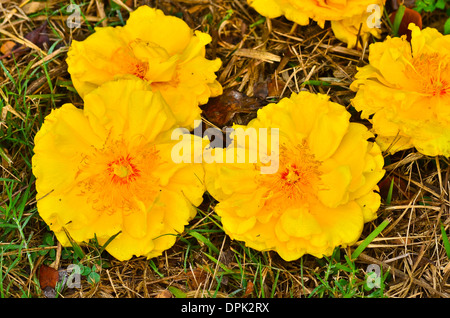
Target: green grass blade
point(389, 195)
point(272, 294)
point(445, 241)
point(204, 240)
point(398, 19)
point(109, 241)
point(8, 74)
point(177, 292)
point(370, 238)
point(260, 21)
point(76, 248)
point(216, 261)
point(155, 268)
point(316, 83)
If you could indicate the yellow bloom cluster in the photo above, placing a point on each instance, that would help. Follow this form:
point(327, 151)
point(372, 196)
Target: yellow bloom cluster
point(109, 169)
point(348, 17)
point(405, 92)
point(323, 191)
point(159, 49)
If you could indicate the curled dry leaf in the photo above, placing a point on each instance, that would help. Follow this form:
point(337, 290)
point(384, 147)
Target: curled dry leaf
point(196, 278)
point(221, 110)
point(272, 87)
point(164, 294)
point(249, 290)
point(38, 36)
point(7, 47)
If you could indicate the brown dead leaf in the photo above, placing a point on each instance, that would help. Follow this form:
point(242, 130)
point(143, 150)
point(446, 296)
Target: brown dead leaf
point(272, 87)
point(38, 36)
point(164, 294)
point(48, 277)
point(226, 257)
point(410, 16)
point(196, 277)
point(261, 90)
point(249, 290)
point(7, 48)
point(221, 110)
point(275, 86)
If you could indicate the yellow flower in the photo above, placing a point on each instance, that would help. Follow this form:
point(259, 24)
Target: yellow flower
point(323, 191)
point(347, 16)
point(405, 92)
point(159, 49)
point(108, 168)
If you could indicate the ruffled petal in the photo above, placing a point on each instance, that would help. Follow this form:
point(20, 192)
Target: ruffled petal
point(151, 25)
point(117, 107)
point(268, 8)
point(349, 17)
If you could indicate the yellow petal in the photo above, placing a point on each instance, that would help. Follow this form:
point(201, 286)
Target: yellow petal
point(237, 227)
point(121, 107)
point(335, 188)
point(370, 204)
point(299, 223)
point(135, 221)
point(328, 132)
point(97, 171)
point(151, 25)
point(268, 8)
point(343, 224)
point(124, 246)
point(59, 145)
point(89, 61)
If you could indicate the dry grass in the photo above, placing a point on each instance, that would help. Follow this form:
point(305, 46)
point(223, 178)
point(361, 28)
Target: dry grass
point(256, 55)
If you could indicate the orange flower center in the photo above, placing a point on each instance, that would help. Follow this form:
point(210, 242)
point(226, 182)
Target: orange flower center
point(138, 68)
point(431, 72)
point(119, 177)
point(146, 60)
point(123, 170)
point(127, 63)
point(298, 177)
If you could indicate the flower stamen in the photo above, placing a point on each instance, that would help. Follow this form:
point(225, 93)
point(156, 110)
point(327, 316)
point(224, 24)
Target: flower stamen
point(121, 182)
point(125, 59)
point(123, 170)
point(297, 179)
point(432, 73)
